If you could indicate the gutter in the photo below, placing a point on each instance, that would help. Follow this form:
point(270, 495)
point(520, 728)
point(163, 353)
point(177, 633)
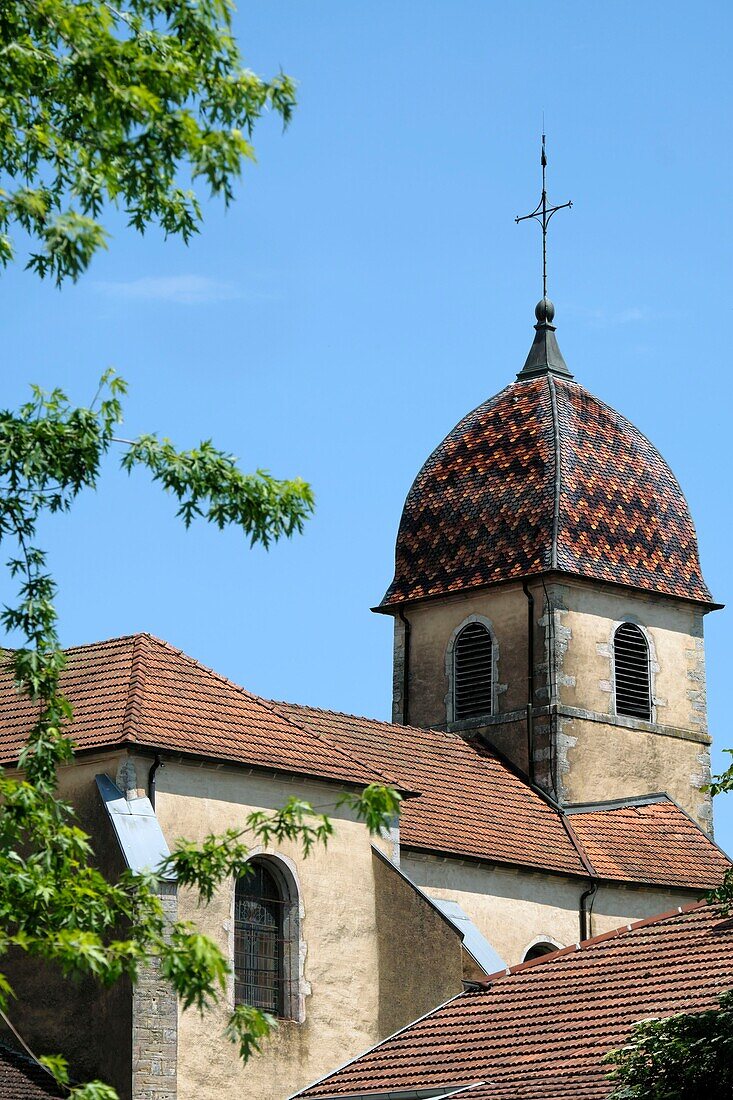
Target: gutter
point(530, 680)
point(585, 911)
point(406, 670)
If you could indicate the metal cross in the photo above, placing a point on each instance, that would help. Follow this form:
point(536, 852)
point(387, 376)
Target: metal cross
point(542, 214)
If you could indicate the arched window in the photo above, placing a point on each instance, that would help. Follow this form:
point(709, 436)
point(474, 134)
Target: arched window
point(631, 672)
point(259, 941)
point(539, 949)
point(473, 660)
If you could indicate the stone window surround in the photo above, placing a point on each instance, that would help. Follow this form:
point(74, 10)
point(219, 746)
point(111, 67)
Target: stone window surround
point(496, 688)
point(296, 987)
point(653, 667)
point(549, 941)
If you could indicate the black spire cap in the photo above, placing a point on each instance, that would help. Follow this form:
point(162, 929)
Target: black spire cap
point(544, 356)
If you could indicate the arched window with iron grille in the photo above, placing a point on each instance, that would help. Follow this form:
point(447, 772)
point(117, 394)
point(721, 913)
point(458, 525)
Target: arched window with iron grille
point(632, 680)
point(261, 916)
point(473, 672)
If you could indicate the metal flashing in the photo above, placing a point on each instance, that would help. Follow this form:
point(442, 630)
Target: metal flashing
point(436, 1093)
point(616, 803)
point(136, 827)
point(475, 943)
point(544, 355)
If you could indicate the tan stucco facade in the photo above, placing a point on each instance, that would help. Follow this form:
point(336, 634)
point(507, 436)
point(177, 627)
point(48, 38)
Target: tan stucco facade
point(516, 909)
point(363, 969)
point(583, 750)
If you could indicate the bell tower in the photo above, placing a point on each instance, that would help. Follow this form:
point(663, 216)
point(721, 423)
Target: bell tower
point(548, 596)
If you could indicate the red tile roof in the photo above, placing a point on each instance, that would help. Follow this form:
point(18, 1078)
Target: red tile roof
point(139, 691)
point(539, 1031)
point(472, 804)
point(545, 477)
point(23, 1079)
point(654, 842)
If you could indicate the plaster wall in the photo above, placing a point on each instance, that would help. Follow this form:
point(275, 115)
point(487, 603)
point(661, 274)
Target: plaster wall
point(431, 626)
point(515, 909)
point(420, 954)
point(364, 970)
point(600, 761)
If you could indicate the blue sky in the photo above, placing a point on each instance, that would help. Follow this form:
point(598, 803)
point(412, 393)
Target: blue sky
point(370, 286)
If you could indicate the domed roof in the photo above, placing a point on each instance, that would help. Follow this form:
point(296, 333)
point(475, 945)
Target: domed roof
point(542, 478)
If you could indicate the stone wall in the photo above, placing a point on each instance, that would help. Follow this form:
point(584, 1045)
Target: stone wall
point(155, 1023)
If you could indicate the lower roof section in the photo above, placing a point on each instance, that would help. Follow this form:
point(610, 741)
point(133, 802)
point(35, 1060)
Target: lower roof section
point(539, 1031)
point(474, 805)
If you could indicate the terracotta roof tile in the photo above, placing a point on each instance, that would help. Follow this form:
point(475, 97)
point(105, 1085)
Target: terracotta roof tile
point(654, 842)
point(472, 804)
point(539, 1031)
point(140, 690)
point(23, 1079)
point(544, 476)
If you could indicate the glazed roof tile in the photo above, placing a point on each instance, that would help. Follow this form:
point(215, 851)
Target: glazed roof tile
point(540, 1030)
point(545, 477)
point(21, 1078)
point(474, 805)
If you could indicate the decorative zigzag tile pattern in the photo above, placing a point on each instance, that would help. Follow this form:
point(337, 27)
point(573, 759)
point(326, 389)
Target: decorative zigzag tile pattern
point(545, 477)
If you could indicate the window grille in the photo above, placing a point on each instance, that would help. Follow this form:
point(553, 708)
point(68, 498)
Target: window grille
point(472, 672)
point(631, 669)
point(260, 915)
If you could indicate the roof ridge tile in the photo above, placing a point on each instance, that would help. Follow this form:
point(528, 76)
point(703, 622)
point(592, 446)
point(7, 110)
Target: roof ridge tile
point(135, 687)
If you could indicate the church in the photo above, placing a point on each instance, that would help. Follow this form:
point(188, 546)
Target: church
point(548, 736)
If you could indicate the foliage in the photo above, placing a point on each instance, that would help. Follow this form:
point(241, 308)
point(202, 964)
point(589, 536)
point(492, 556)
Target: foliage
point(54, 903)
point(130, 105)
point(690, 1054)
point(125, 106)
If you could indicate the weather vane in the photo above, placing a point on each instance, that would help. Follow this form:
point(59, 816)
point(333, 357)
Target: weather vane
point(542, 214)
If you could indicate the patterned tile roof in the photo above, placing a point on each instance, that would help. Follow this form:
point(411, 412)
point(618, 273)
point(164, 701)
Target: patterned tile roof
point(545, 477)
point(539, 1031)
point(23, 1079)
point(139, 690)
point(473, 805)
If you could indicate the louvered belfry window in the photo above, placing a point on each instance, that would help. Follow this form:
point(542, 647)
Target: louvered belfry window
point(259, 961)
point(472, 672)
point(631, 665)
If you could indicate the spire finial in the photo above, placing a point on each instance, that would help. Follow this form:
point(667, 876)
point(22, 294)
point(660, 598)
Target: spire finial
point(542, 214)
